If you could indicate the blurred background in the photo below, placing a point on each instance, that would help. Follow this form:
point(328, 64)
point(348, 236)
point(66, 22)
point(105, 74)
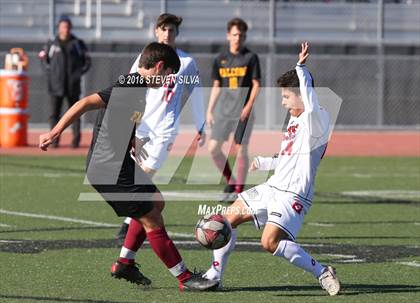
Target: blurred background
point(367, 51)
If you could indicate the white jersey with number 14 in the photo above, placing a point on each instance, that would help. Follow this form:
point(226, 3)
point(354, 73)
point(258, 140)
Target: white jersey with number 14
point(303, 146)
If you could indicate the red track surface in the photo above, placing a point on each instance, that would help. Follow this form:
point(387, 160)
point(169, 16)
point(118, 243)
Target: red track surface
point(343, 143)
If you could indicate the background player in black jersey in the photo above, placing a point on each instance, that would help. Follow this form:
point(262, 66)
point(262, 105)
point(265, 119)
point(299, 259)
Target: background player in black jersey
point(236, 69)
point(110, 149)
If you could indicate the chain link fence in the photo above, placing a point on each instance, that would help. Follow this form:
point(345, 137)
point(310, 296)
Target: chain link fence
point(352, 77)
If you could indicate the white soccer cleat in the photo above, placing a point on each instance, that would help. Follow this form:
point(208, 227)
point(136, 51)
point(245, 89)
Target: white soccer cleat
point(213, 275)
point(329, 281)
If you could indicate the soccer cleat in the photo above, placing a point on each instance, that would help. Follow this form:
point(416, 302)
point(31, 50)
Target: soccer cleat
point(329, 281)
point(214, 275)
point(122, 233)
point(197, 283)
point(129, 272)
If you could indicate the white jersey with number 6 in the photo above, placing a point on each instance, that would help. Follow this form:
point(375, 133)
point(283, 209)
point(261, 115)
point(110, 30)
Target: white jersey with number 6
point(303, 146)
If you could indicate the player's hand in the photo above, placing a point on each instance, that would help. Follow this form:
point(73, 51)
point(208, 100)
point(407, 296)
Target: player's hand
point(246, 111)
point(45, 140)
point(201, 138)
point(253, 166)
point(210, 119)
point(138, 153)
point(304, 53)
point(42, 54)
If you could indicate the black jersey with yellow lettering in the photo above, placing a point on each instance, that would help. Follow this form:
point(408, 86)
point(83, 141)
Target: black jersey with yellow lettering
point(235, 72)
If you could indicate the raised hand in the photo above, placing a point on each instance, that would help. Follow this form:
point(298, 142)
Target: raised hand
point(304, 53)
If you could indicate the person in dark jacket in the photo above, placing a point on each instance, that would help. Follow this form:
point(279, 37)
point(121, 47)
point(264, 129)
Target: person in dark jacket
point(65, 60)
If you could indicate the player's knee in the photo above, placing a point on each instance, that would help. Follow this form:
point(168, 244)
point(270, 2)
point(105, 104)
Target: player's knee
point(152, 220)
point(242, 150)
point(160, 205)
point(214, 149)
point(269, 243)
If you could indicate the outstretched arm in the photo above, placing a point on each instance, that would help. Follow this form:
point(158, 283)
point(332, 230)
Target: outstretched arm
point(88, 103)
point(317, 122)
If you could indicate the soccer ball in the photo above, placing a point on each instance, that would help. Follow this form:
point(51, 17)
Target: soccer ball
point(213, 231)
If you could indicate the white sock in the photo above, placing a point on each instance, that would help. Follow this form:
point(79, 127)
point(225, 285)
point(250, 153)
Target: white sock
point(298, 257)
point(220, 258)
point(178, 269)
point(127, 220)
point(127, 253)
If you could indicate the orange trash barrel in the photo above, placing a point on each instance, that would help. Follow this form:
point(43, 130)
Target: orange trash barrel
point(13, 89)
point(13, 108)
point(13, 127)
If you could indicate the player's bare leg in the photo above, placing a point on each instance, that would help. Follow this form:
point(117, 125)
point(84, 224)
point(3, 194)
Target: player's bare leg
point(120, 236)
point(221, 161)
point(236, 214)
point(154, 229)
point(242, 164)
point(277, 242)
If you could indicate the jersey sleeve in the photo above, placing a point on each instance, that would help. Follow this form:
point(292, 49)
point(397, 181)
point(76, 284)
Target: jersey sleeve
point(105, 94)
point(215, 70)
point(195, 92)
point(317, 118)
point(254, 67)
point(267, 163)
point(135, 65)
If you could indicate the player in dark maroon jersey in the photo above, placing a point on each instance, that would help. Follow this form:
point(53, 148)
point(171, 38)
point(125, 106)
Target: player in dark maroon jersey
point(112, 172)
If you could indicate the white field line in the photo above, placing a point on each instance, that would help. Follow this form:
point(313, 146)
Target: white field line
point(10, 241)
point(416, 223)
point(341, 256)
point(74, 220)
point(56, 218)
point(45, 175)
point(411, 263)
point(6, 225)
point(384, 193)
point(321, 224)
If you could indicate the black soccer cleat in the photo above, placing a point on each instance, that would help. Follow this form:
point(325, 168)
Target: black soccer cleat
point(129, 272)
point(197, 283)
point(122, 233)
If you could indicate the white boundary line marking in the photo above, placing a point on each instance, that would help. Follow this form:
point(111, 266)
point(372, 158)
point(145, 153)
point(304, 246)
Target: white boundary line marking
point(56, 218)
point(411, 263)
point(6, 225)
point(321, 224)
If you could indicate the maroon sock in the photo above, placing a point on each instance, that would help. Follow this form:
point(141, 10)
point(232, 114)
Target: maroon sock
point(135, 236)
point(165, 249)
point(242, 170)
point(126, 261)
point(223, 165)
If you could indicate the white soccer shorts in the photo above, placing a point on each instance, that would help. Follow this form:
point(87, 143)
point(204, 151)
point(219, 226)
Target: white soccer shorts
point(272, 206)
point(158, 150)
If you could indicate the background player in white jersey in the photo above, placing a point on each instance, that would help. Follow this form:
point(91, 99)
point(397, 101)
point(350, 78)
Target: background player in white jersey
point(160, 121)
point(280, 204)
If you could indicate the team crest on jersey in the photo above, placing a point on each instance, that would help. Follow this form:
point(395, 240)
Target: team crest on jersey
point(252, 193)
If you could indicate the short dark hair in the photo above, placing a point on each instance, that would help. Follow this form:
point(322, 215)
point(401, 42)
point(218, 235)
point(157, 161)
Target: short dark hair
point(65, 18)
point(154, 52)
point(166, 18)
point(239, 23)
point(290, 80)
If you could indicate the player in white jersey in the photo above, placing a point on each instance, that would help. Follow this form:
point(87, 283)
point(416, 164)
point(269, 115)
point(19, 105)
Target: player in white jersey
point(280, 204)
point(160, 121)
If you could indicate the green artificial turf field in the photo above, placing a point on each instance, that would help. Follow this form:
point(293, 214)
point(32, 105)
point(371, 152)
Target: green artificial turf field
point(365, 221)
